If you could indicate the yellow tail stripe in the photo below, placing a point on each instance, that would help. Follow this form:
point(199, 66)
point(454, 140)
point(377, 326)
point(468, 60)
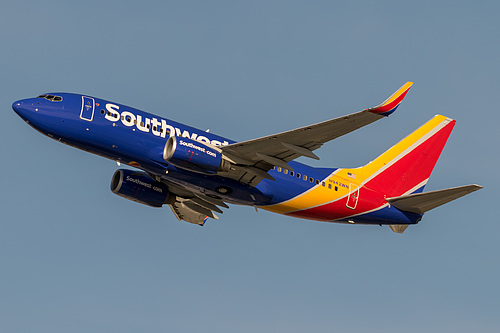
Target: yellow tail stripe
point(398, 93)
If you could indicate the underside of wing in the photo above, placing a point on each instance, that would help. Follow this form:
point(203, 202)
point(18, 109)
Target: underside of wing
point(184, 213)
point(252, 159)
point(193, 207)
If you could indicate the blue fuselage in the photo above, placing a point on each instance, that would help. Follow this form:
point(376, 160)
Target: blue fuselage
point(137, 138)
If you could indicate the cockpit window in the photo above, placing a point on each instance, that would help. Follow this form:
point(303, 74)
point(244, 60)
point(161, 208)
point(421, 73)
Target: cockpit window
point(51, 98)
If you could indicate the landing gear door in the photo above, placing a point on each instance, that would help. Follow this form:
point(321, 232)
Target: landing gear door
point(352, 199)
point(88, 106)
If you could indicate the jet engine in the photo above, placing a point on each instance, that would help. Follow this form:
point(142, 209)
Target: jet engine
point(139, 187)
point(194, 156)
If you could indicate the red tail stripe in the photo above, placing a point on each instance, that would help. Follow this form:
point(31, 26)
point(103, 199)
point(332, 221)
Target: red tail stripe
point(414, 168)
point(391, 105)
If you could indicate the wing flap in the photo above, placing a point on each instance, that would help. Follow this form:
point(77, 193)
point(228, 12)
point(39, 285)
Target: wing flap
point(211, 200)
point(184, 213)
point(420, 203)
point(193, 207)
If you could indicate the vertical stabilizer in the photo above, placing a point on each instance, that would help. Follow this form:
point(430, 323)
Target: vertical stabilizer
point(406, 167)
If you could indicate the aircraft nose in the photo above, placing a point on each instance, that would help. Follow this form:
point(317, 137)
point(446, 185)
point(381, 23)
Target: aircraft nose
point(19, 107)
point(23, 108)
point(16, 106)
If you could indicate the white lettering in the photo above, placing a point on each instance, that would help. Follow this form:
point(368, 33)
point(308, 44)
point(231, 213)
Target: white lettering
point(143, 125)
point(155, 124)
point(166, 129)
point(112, 114)
point(216, 143)
point(203, 139)
point(158, 127)
point(128, 118)
point(144, 184)
point(185, 134)
point(193, 146)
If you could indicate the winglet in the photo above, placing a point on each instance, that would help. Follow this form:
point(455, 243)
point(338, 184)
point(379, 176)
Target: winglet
point(391, 104)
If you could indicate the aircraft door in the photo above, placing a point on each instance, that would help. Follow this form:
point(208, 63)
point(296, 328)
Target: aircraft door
point(352, 199)
point(88, 106)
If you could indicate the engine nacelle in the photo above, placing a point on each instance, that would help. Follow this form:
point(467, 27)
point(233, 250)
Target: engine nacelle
point(193, 155)
point(139, 187)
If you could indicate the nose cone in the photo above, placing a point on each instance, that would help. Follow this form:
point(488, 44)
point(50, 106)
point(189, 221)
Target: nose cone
point(16, 106)
point(23, 108)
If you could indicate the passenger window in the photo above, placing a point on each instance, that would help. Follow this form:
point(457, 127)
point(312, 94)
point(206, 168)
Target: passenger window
point(304, 177)
point(285, 172)
point(329, 186)
point(298, 175)
point(291, 173)
point(336, 188)
point(323, 184)
point(279, 169)
point(317, 182)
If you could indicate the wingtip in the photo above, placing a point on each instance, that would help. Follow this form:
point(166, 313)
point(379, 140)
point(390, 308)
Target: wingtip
point(391, 104)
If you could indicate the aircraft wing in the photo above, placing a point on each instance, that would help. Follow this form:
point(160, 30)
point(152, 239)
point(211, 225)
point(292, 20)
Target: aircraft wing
point(252, 159)
point(185, 212)
point(193, 207)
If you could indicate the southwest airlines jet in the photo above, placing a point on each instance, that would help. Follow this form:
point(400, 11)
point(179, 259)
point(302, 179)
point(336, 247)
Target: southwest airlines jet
point(198, 173)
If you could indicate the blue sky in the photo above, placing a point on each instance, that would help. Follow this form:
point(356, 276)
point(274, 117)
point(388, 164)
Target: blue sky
point(75, 257)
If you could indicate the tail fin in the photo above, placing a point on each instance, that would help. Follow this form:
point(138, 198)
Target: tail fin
point(406, 167)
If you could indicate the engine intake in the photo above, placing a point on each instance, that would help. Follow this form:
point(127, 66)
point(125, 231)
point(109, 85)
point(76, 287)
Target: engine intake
point(194, 156)
point(139, 187)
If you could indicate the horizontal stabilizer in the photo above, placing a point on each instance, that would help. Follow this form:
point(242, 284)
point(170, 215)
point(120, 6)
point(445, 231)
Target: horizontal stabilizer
point(420, 203)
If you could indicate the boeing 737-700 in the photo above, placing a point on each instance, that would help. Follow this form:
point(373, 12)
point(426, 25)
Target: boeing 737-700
point(198, 173)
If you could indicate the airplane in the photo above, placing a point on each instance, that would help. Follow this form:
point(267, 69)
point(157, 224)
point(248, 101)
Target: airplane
point(197, 173)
